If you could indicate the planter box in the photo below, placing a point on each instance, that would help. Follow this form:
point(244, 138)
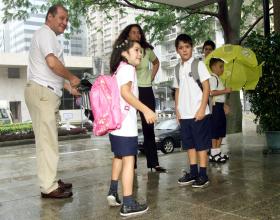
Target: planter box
point(273, 139)
point(30, 135)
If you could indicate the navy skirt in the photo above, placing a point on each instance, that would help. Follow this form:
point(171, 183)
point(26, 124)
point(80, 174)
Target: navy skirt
point(123, 146)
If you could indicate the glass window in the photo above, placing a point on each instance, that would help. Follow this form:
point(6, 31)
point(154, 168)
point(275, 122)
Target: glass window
point(3, 113)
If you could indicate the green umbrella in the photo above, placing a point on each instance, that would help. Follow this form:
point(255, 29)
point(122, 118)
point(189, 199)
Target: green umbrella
point(241, 67)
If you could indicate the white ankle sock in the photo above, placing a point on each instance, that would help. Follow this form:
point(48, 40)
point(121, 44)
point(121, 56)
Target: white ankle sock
point(215, 151)
point(223, 154)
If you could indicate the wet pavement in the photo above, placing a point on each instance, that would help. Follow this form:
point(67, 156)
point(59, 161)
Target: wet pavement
point(246, 187)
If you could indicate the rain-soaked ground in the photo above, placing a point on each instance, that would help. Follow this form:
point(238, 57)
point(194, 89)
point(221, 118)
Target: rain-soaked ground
point(246, 187)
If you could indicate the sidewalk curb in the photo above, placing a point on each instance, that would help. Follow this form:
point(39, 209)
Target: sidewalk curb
point(32, 141)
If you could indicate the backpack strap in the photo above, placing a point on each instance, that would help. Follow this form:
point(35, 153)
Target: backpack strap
point(216, 80)
point(194, 73)
point(177, 69)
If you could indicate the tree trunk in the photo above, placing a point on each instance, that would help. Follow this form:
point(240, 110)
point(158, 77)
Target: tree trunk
point(276, 9)
point(230, 17)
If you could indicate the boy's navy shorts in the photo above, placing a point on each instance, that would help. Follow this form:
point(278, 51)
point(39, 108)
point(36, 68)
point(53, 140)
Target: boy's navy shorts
point(123, 146)
point(219, 122)
point(196, 134)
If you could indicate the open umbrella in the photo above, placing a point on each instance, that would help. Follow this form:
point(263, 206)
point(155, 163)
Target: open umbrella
point(241, 66)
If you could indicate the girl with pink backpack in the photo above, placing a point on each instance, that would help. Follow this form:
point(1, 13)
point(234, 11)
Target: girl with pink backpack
point(125, 56)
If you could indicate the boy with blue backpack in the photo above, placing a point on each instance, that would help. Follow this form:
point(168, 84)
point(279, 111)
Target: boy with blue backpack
point(192, 111)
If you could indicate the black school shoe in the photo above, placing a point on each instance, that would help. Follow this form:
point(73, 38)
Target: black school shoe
point(201, 182)
point(134, 209)
point(187, 179)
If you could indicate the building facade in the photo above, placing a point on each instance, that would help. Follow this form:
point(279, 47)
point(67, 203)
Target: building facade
point(102, 32)
point(13, 76)
point(17, 35)
point(15, 39)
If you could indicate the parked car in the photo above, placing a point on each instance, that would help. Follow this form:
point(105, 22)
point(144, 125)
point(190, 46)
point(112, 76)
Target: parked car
point(167, 136)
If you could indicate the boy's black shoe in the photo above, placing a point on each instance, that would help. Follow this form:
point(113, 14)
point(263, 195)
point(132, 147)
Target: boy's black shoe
point(113, 199)
point(134, 209)
point(201, 182)
point(187, 179)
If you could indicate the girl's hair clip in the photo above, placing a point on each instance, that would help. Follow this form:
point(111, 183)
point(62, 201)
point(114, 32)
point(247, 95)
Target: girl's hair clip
point(122, 44)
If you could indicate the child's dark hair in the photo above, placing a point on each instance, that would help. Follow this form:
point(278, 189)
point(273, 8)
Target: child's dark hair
point(184, 38)
point(213, 61)
point(116, 56)
point(209, 43)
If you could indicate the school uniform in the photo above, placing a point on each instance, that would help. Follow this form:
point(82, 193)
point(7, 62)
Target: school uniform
point(194, 134)
point(124, 141)
point(218, 128)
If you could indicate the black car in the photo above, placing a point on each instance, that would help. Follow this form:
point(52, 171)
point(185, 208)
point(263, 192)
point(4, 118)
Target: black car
point(167, 136)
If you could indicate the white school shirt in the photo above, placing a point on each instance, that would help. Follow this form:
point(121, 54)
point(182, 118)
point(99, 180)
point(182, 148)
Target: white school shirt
point(190, 94)
point(45, 42)
point(213, 86)
point(127, 73)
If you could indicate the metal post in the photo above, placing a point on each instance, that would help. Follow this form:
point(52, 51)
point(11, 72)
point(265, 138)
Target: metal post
point(266, 18)
point(166, 95)
point(81, 106)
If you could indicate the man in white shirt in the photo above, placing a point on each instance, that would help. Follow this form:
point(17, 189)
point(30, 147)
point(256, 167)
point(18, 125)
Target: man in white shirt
point(46, 74)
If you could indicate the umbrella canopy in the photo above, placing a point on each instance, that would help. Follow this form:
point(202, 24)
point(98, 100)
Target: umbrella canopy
point(241, 66)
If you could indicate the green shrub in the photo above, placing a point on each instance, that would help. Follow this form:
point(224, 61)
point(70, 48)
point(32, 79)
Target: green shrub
point(265, 99)
point(18, 128)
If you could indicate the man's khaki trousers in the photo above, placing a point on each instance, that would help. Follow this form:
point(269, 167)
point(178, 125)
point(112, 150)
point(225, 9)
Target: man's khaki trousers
point(43, 106)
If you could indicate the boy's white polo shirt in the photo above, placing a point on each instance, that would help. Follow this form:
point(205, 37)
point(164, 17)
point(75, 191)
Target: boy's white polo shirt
point(213, 86)
point(190, 94)
point(45, 42)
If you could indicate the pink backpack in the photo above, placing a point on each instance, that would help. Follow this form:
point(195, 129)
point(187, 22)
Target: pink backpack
point(105, 105)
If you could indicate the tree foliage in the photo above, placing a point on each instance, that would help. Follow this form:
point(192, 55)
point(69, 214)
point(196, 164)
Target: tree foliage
point(200, 23)
point(265, 101)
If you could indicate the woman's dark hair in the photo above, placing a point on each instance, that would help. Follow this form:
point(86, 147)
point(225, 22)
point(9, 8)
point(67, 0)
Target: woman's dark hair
point(53, 10)
point(116, 56)
point(143, 42)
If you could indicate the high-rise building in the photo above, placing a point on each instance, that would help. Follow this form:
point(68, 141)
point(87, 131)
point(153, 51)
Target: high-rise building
point(17, 35)
point(15, 39)
point(102, 32)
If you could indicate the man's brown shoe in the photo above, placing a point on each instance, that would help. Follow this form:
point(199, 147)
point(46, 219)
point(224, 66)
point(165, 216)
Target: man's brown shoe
point(58, 193)
point(64, 185)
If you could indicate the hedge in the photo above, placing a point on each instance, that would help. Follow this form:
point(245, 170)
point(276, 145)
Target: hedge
point(16, 128)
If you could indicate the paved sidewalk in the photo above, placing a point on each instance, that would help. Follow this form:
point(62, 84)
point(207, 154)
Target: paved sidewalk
point(247, 187)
